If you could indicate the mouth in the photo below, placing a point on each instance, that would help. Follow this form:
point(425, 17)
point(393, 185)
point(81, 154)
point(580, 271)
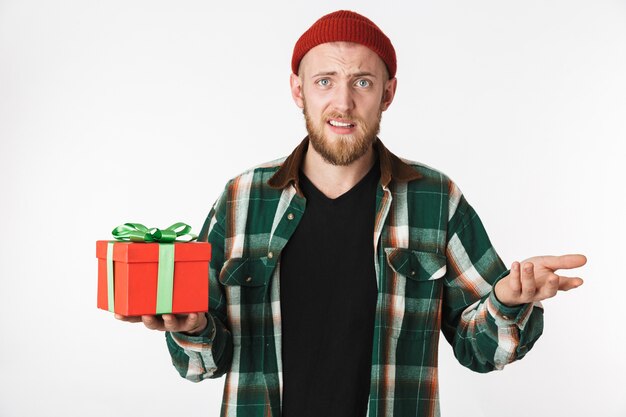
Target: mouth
point(341, 125)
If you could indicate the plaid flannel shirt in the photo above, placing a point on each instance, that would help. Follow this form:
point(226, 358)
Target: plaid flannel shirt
point(435, 272)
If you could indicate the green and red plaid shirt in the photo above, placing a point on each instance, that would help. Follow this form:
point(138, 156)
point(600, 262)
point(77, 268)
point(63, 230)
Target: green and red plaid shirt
point(435, 272)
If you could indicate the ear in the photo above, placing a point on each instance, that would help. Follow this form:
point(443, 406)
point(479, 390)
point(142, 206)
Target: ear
point(389, 93)
point(296, 90)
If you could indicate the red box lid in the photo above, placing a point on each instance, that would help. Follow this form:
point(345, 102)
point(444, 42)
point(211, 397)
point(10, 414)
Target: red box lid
point(134, 252)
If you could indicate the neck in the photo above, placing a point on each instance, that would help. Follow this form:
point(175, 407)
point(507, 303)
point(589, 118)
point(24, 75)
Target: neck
point(335, 180)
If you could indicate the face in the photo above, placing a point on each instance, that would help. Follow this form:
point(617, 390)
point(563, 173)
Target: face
point(343, 89)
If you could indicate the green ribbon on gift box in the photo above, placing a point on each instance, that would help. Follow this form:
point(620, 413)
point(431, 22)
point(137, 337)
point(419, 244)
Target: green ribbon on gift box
point(137, 232)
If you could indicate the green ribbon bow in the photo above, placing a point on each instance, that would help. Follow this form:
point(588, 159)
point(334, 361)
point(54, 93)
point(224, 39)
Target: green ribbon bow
point(137, 232)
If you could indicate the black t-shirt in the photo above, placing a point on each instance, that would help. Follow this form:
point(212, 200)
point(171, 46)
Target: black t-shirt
point(328, 296)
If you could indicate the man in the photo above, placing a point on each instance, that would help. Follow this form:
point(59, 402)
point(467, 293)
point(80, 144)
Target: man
point(334, 270)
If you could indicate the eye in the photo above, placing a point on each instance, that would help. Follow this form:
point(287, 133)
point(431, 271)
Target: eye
point(363, 83)
point(323, 82)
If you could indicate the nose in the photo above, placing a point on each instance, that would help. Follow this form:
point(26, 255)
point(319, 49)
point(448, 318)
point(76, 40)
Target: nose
point(343, 99)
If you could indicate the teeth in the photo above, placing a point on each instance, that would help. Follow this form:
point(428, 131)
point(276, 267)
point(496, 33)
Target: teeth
point(340, 124)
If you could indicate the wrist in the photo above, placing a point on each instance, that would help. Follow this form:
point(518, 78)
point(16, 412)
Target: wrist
point(500, 293)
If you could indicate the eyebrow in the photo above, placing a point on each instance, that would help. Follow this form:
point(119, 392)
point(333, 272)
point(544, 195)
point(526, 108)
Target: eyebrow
point(356, 74)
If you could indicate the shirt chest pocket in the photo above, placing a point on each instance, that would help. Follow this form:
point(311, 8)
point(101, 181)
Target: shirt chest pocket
point(246, 280)
point(416, 265)
point(414, 288)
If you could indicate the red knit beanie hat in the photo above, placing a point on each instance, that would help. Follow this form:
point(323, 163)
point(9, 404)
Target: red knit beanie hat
point(346, 26)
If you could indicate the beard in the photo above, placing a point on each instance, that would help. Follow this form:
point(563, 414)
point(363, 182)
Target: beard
point(344, 149)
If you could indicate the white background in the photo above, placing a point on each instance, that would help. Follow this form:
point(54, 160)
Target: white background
point(116, 111)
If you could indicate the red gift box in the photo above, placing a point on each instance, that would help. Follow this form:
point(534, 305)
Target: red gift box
point(135, 281)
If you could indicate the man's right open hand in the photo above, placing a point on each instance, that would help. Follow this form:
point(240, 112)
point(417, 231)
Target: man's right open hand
point(192, 323)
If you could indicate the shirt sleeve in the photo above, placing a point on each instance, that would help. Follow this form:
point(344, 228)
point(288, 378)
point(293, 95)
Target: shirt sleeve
point(209, 354)
point(484, 333)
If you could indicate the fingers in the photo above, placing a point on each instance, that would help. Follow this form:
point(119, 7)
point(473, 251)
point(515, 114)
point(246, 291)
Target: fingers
point(196, 323)
point(528, 282)
point(509, 290)
point(569, 283)
point(168, 322)
point(563, 262)
point(549, 288)
point(535, 280)
point(178, 323)
point(192, 322)
point(514, 279)
point(521, 286)
point(555, 283)
point(153, 322)
point(129, 319)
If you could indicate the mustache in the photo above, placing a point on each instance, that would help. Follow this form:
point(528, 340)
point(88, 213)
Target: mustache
point(344, 116)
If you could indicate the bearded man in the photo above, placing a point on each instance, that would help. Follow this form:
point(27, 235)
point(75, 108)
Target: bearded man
point(335, 269)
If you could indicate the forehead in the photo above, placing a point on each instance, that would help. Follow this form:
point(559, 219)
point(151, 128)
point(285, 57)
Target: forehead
point(344, 57)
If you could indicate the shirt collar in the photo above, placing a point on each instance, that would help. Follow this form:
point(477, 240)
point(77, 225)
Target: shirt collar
point(391, 167)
